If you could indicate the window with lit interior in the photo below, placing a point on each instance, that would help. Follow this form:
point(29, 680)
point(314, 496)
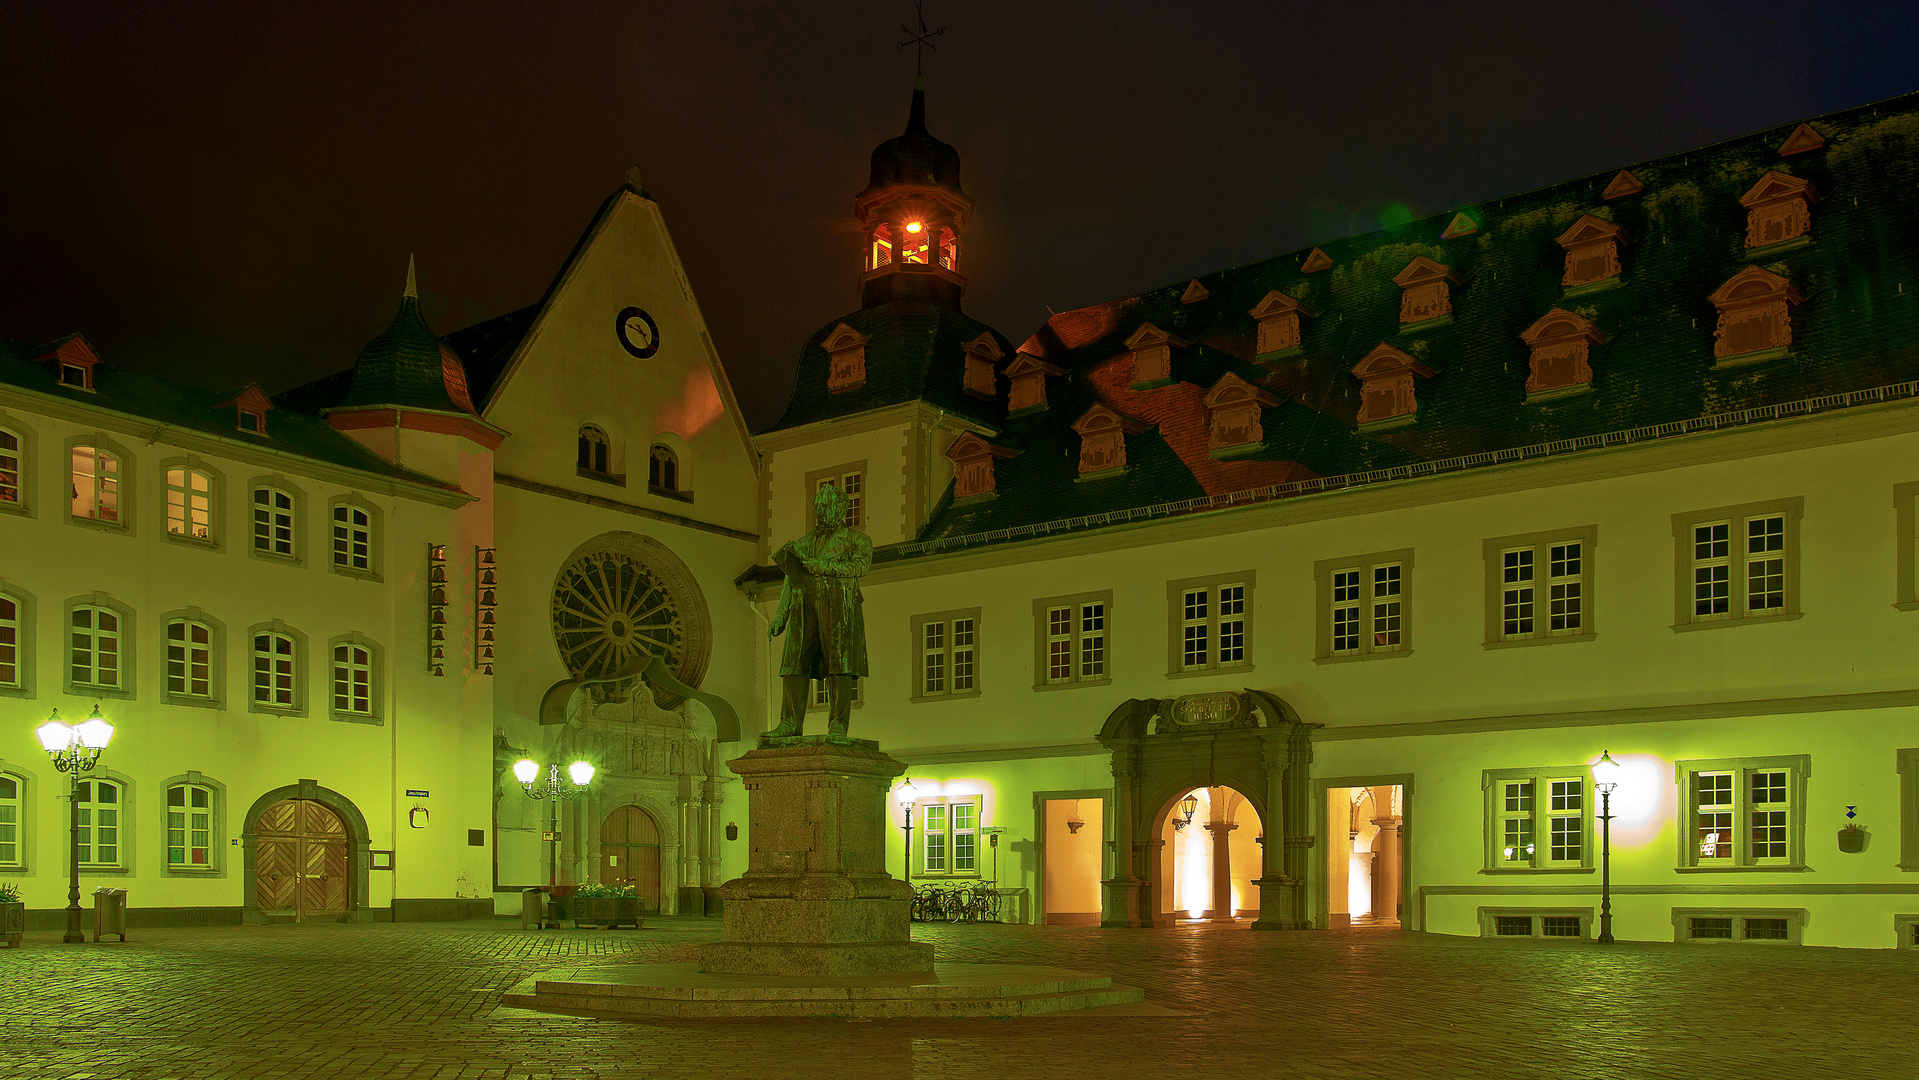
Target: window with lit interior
point(190, 504)
point(96, 480)
point(1742, 813)
point(1538, 819)
point(949, 835)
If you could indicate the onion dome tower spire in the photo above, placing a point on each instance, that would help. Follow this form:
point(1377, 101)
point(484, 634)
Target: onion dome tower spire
point(914, 212)
point(406, 366)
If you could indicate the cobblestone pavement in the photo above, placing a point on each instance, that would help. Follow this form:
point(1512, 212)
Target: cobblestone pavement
point(423, 1001)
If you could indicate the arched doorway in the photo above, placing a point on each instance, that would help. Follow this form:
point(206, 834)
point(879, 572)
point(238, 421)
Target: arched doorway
point(302, 868)
point(630, 853)
point(1212, 858)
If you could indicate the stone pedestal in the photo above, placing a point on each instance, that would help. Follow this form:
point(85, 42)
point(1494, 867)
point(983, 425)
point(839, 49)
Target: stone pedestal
point(816, 899)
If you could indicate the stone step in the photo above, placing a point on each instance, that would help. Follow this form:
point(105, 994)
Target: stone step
point(629, 1007)
point(754, 990)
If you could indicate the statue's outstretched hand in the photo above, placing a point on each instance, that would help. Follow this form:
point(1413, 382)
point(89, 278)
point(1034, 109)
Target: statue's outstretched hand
point(776, 627)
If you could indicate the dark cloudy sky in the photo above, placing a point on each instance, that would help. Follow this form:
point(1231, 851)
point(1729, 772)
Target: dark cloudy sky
point(229, 191)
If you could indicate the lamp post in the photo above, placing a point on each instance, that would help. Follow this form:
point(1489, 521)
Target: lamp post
point(74, 748)
point(1605, 777)
point(906, 794)
point(527, 772)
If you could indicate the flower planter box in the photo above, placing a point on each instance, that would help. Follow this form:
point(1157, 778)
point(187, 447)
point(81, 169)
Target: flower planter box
point(611, 912)
point(13, 924)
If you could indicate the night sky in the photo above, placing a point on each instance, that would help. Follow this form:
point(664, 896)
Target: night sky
point(224, 192)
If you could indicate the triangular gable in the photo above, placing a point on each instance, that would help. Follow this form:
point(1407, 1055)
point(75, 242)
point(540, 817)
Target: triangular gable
point(1589, 228)
point(843, 337)
point(1753, 283)
point(1278, 303)
point(1231, 388)
point(1802, 139)
point(971, 445)
point(983, 345)
point(1100, 417)
point(1195, 292)
point(1462, 225)
point(1560, 323)
point(1315, 260)
point(250, 398)
point(1622, 185)
point(1026, 362)
point(72, 349)
point(1148, 334)
point(1386, 360)
point(1424, 269)
point(1776, 185)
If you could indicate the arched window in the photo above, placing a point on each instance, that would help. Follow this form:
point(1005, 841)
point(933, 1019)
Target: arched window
point(274, 676)
point(101, 802)
point(273, 522)
point(190, 658)
point(12, 675)
point(95, 652)
point(663, 469)
point(96, 484)
point(189, 827)
point(355, 673)
point(353, 537)
point(190, 504)
point(595, 450)
point(10, 494)
point(11, 809)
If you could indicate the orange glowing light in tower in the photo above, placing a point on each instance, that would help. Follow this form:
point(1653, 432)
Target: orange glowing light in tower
point(913, 226)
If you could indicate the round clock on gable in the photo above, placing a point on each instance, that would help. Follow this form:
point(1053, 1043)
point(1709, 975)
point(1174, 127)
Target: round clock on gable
point(621, 599)
point(638, 333)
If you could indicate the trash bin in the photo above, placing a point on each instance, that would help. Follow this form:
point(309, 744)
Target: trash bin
point(109, 913)
point(532, 908)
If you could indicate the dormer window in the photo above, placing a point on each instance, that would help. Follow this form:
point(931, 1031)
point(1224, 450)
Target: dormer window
point(972, 459)
point(846, 367)
point(1778, 210)
point(1235, 406)
point(75, 376)
point(250, 407)
point(1427, 293)
point(1026, 380)
point(1592, 251)
point(1278, 317)
point(1102, 440)
point(1386, 398)
point(982, 359)
point(1152, 356)
point(1755, 317)
point(73, 363)
point(1560, 344)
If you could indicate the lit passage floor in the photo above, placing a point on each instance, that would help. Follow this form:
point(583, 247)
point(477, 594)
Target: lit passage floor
point(424, 1000)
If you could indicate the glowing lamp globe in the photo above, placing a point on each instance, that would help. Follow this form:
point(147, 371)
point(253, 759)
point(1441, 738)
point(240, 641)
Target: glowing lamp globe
point(581, 772)
point(55, 735)
point(1188, 805)
point(905, 794)
point(94, 732)
point(1606, 772)
point(914, 226)
point(526, 770)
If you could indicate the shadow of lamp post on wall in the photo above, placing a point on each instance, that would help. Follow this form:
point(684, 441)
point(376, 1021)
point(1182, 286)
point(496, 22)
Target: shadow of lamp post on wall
point(1605, 777)
point(75, 748)
point(527, 772)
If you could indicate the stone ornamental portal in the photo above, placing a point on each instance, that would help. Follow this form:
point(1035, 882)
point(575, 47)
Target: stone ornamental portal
point(622, 597)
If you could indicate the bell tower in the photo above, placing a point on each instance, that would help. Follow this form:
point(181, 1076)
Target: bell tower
point(914, 213)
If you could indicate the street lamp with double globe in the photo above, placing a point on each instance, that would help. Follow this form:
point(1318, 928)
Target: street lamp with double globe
point(75, 748)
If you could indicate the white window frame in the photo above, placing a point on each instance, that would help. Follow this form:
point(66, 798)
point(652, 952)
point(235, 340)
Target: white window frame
point(107, 480)
point(16, 469)
point(286, 697)
point(274, 531)
point(363, 657)
point(1073, 640)
point(946, 655)
point(181, 663)
point(1208, 618)
point(1490, 917)
point(1538, 563)
point(1749, 552)
point(937, 829)
point(13, 821)
point(16, 634)
point(1786, 817)
point(353, 547)
point(851, 479)
point(91, 825)
point(187, 521)
point(120, 634)
point(180, 822)
point(1365, 606)
point(1534, 805)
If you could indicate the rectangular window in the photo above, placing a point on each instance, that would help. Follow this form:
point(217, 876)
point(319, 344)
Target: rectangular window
point(352, 538)
point(949, 835)
point(1711, 926)
point(1209, 622)
point(1534, 922)
point(852, 484)
point(1737, 563)
point(10, 493)
point(273, 522)
point(273, 674)
point(95, 648)
point(12, 675)
point(353, 679)
point(10, 803)
point(100, 804)
point(189, 827)
point(1365, 605)
point(96, 484)
point(1742, 813)
point(189, 504)
point(947, 651)
point(1071, 633)
point(1538, 819)
point(1538, 587)
point(189, 658)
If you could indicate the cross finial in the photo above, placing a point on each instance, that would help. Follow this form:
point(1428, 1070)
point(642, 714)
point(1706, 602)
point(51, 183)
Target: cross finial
point(920, 41)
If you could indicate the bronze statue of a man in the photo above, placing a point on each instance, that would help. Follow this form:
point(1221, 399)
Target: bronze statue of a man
point(820, 613)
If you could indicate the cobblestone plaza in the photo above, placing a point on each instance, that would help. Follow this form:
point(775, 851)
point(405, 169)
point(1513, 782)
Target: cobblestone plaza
point(423, 1000)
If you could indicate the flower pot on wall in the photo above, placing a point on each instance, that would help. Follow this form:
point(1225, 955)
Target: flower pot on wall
point(1852, 839)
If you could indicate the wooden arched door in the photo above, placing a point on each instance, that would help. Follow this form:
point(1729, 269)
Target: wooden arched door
point(300, 862)
point(630, 853)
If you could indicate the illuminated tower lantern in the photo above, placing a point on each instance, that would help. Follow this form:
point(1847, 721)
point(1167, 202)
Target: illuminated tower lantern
point(914, 212)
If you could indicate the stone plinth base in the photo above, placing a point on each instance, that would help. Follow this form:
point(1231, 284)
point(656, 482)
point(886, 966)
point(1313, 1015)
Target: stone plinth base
point(636, 991)
point(816, 937)
point(841, 960)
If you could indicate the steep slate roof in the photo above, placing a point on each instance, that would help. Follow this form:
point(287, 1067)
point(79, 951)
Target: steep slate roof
point(1857, 328)
point(485, 348)
point(407, 366)
point(915, 351)
point(291, 431)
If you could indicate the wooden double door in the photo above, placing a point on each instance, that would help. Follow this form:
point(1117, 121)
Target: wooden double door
point(301, 863)
point(630, 853)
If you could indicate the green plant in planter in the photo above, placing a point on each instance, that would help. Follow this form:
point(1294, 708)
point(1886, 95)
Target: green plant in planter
point(595, 892)
point(9, 893)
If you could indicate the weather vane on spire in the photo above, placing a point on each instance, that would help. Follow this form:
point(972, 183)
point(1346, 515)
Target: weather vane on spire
point(920, 40)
